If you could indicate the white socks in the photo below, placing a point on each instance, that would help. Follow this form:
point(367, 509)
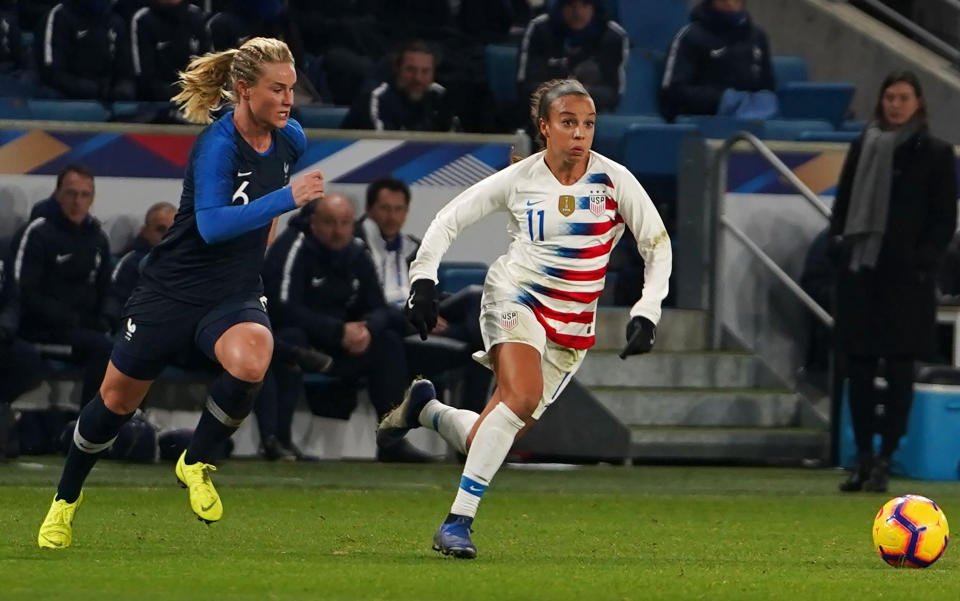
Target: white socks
point(490, 446)
point(453, 425)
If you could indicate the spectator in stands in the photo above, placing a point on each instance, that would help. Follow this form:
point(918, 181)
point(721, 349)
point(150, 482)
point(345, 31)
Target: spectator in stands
point(894, 213)
point(411, 101)
point(126, 273)
point(381, 229)
point(11, 49)
point(323, 293)
point(719, 64)
point(20, 363)
point(82, 50)
point(62, 270)
point(575, 39)
point(163, 37)
point(244, 19)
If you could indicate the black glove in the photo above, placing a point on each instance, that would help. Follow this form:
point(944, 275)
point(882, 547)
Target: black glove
point(421, 307)
point(640, 336)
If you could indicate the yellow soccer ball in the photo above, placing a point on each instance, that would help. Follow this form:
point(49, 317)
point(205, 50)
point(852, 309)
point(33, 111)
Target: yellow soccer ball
point(910, 531)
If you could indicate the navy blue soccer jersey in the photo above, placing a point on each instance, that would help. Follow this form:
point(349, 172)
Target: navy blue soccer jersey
point(231, 193)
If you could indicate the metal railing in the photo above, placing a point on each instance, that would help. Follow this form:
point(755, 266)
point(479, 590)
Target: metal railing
point(924, 36)
point(721, 223)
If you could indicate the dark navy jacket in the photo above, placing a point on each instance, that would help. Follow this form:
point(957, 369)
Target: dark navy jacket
point(62, 271)
point(11, 51)
point(231, 193)
point(83, 51)
point(710, 55)
point(550, 50)
point(386, 108)
point(9, 296)
point(311, 287)
point(162, 40)
point(124, 278)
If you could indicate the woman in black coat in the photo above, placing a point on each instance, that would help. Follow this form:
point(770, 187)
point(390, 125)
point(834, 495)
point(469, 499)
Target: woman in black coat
point(895, 211)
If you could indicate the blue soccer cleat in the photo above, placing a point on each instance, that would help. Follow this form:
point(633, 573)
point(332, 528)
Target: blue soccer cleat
point(405, 416)
point(454, 539)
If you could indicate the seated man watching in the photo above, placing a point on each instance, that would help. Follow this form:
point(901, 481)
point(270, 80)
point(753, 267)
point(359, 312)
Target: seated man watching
point(323, 293)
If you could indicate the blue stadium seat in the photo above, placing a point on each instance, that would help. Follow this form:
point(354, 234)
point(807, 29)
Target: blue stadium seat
point(787, 69)
point(652, 24)
point(456, 275)
point(856, 126)
point(654, 148)
point(644, 69)
point(138, 111)
point(68, 110)
point(829, 136)
point(16, 85)
point(610, 130)
point(14, 108)
point(321, 117)
point(712, 126)
point(787, 129)
point(816, 100)
point(500, 66)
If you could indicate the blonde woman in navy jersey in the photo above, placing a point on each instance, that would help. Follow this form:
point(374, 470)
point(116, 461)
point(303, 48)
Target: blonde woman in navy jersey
point(201, 285)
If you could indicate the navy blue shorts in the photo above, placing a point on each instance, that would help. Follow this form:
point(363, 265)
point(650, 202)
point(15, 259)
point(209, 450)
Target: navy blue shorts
point(154, 329)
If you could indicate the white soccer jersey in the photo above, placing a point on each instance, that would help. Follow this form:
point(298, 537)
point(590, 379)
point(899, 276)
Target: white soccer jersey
point(561, 241)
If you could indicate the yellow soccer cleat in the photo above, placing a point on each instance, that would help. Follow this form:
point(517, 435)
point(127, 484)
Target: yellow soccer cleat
point(204, 499)
point(56, 531)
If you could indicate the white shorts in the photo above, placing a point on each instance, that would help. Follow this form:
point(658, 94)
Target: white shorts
point(513, 322)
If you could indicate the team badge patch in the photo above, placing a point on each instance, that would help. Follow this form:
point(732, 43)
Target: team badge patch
point(598, 204)
point(566, 204)
point(509, 320)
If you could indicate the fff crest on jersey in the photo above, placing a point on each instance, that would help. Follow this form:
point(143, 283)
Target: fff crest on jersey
point(598, 204)
point(566, 204)
point(509, 320)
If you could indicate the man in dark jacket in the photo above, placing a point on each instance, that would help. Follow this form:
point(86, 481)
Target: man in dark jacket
point(20, 363)
point(163, 37)
point(323, 292)
point(126, 273)
point(62, 270)
point(575, 39)
point(11, 50)
point(412, 101)
point(82, 50)
point(721, 50)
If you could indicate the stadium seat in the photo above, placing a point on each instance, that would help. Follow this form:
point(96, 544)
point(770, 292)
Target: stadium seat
point(68, 110)
point(500, 66)
point(14, 108)
point(16, 85)
point(140, 112)
point(816, 100)
point(456, 275)
point(712, 126)
point(644, 69)
point(788, 69)
point(321, 117)
point(652, 24)
point(787, 129)
point(654, 148)
point(829, 136)
point(610, 130)
point(856, 126)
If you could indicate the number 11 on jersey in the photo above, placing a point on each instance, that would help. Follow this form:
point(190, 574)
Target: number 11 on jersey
point(530, 223)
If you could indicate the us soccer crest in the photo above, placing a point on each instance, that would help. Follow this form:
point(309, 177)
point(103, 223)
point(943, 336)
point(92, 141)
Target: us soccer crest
point(598, 204)
point(509, 320)
point(566, 204)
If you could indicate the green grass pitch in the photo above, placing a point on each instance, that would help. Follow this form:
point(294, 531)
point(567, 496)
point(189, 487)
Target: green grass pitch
point(362, 531)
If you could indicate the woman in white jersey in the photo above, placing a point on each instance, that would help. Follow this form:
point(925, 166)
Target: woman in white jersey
point(567, 206)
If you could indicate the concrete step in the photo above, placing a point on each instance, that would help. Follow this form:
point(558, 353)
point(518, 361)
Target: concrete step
point(697, 407)
point(790, 446)
point(682, 369)
point(678, 330)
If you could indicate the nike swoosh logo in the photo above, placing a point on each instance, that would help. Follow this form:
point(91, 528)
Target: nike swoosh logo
point(317, 281)
point(718, 52)
point(63, 258)
point(207, 508)
point(530, 204)
point(473, 488)
point(162, 45)
point(52, 542)
point(244, 173)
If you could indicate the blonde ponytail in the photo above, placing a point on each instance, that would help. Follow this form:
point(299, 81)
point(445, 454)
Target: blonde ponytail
point(210, 80)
